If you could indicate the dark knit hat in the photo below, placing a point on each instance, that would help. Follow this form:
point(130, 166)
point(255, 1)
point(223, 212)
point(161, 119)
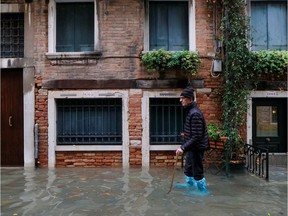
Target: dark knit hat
point(188, 93)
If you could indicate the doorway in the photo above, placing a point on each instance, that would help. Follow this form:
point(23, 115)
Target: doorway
point(12, 146)
point(269, 124)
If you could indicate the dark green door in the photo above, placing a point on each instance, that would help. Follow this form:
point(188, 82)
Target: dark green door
point(269, 127)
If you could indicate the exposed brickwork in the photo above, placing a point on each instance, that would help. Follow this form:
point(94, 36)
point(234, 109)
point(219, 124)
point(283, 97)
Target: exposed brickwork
point(135, 156)
point(135, 115)
point(88, 159)
point(41, 118)
point(162, 158)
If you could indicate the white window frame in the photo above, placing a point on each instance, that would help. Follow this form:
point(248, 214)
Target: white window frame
point(146, 147)
point(52, 134)
point(52, 27)
point(191, 30)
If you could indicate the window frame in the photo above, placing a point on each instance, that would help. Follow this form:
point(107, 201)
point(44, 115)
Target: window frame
point(52, 30)
point(52, 130)
point(146, 146)
point(81, 130)
point(191, 24)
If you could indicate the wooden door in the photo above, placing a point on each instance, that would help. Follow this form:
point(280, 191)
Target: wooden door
point(12, 147)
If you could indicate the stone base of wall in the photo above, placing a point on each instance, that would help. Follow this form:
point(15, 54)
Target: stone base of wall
point(89, 159)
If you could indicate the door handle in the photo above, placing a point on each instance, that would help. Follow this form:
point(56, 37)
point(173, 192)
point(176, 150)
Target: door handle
point(10, 121)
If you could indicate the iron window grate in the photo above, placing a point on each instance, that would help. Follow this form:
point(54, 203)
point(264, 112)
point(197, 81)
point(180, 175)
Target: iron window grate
point(89, 121)
point(166, 121)
point(12, 35)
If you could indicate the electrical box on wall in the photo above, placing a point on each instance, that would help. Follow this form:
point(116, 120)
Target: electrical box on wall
point(217, 66)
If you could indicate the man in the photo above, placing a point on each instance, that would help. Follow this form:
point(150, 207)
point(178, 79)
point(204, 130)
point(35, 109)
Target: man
point(195, 141)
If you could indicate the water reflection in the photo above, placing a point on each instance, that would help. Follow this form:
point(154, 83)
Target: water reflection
point(137, 192)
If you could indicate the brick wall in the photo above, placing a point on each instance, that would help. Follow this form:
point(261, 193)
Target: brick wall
point(121, 34)
point(89, 159)
point(41, 118)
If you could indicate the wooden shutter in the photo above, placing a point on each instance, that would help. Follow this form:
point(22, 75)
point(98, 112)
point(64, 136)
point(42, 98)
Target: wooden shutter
point(178, 27)
point(84, 27)
point(75, 27)
point(269, 25)
point(65, 27)
point(168, 25)
point(259, 25)
point(277, 25)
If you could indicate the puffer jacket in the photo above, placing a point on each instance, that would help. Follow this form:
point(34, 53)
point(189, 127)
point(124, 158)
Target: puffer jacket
point(195, 130)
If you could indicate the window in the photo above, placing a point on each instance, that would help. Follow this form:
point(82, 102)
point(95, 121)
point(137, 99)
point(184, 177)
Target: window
point(168, 22)
point(166, 121)
point(269, 25)
point(75, 27)
point(170, 25)
point(89, 121)
point(12, 35)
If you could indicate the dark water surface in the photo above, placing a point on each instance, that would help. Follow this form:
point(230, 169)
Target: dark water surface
point(137, 192)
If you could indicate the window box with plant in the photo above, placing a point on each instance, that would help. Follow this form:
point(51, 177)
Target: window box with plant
point(161, 61)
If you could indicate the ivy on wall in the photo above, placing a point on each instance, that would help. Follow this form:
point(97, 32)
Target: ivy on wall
point(241, 65)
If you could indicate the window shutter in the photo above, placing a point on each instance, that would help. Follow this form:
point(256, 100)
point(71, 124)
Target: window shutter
point(277, 26)
point(168, 25)
point(178, 27)
point(75, 27)
point(84, 27)
point(65, 27)
point(158, 26)
point(259, 26)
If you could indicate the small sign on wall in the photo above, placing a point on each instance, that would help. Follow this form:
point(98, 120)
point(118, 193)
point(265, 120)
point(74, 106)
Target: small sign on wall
point(271, 93)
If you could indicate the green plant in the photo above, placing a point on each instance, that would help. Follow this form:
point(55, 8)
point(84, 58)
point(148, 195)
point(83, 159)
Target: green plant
point(234, 94)
point(158, 61)
point(186, 60)
point(271, 63)
point(215, 132)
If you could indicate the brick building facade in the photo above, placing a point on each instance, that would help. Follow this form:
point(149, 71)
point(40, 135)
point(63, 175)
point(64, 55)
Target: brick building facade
point(111, 71)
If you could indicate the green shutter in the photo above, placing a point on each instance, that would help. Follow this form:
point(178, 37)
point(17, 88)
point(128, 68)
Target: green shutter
point(269, 25)
point(168, 25)
point(277, 25)
point(75, 27)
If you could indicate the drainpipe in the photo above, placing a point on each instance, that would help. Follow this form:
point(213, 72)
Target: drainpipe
point(36, 145)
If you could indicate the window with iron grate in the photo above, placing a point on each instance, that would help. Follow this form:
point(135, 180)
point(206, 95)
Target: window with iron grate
point(12, 35)
point(166, 121)
point(89, 121)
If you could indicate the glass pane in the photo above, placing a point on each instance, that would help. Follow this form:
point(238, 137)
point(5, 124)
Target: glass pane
point(267, 121)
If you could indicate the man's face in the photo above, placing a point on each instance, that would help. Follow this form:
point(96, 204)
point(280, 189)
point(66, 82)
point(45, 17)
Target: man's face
point(185, 101)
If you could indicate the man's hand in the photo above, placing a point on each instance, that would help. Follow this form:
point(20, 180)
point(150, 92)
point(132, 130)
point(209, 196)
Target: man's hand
point(179, 151)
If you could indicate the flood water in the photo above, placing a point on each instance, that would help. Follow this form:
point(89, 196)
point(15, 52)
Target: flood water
point(138, 192)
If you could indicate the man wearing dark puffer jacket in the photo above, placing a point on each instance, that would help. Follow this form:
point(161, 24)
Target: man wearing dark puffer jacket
point(195, 141)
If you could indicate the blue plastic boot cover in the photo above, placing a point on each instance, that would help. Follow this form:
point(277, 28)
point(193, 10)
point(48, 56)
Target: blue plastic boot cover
point(202, 185)
point(189, 180)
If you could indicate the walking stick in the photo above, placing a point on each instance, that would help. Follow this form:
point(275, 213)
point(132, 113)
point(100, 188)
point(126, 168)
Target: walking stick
point(174, 170)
